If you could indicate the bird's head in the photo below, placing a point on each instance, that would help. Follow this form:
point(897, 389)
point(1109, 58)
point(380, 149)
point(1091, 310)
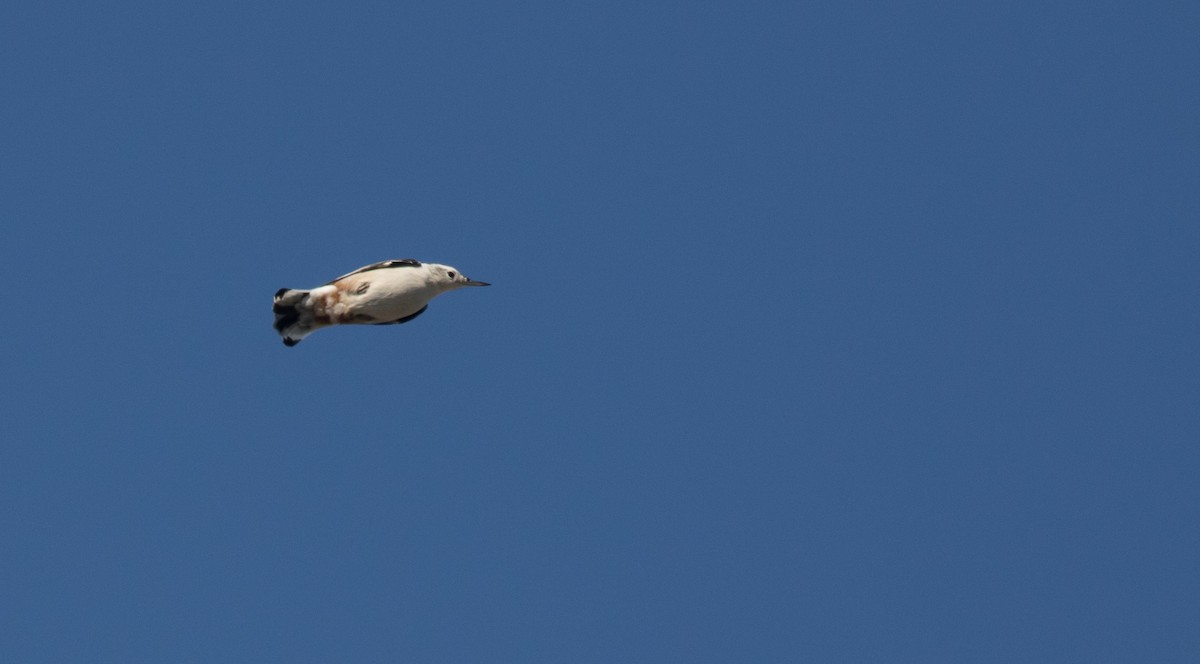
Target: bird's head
point(449, 278)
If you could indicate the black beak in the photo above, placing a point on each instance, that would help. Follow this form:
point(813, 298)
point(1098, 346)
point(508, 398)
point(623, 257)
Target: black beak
point(477, 283)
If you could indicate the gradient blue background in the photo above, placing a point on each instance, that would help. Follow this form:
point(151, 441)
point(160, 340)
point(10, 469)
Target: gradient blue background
point(830, 332)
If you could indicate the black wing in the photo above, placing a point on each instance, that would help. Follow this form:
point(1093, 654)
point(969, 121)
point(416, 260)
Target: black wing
point(406, 318)
point(398, 262)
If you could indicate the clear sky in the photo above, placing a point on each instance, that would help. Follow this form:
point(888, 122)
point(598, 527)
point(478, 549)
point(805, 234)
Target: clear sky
point(820, 332)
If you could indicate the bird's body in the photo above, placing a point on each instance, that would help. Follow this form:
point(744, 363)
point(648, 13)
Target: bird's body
point(384, 293)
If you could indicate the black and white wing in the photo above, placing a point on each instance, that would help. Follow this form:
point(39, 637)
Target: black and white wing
point(397, 262)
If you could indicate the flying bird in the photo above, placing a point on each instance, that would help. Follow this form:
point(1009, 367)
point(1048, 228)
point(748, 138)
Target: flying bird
point(384, 293)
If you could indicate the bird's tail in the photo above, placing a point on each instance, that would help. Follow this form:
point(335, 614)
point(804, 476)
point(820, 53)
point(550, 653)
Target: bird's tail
point(293, 318)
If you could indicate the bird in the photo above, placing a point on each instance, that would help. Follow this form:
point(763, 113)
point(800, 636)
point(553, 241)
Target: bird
point(384, 293)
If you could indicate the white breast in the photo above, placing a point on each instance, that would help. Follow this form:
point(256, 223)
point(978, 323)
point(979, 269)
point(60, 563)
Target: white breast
point(389, 293)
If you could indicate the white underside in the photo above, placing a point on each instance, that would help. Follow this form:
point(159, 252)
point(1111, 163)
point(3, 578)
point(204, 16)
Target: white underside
point(391, 293)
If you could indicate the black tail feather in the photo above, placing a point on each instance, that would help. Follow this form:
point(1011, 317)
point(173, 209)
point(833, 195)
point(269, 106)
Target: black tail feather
point(287, 311)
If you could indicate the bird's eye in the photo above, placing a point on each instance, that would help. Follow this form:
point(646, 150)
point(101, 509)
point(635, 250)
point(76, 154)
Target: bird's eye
point(451, 273)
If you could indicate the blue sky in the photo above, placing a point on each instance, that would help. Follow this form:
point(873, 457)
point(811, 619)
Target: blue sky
point(820, 332)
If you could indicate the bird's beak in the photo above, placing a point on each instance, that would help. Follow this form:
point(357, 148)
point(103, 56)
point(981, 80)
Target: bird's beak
point(469, 282)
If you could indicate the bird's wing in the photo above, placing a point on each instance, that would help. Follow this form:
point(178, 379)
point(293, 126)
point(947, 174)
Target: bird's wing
point(399, 262)
point(406, 318)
